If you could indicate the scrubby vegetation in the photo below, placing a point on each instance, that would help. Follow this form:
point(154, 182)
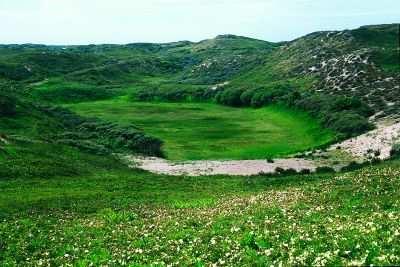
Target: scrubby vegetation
point(101, 137)
point(8, 105)
point(172, 93)
point(395, 152)
point(60, 91)
point(346, 115)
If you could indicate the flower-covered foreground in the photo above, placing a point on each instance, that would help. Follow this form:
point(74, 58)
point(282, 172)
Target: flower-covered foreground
point(345, 219)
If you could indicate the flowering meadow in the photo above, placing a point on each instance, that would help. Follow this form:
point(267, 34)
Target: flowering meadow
point(140, 219)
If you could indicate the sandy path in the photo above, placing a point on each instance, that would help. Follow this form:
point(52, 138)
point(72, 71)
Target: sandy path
point(214, 167)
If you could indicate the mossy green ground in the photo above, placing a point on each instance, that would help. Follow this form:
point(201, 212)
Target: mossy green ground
point(193, 131)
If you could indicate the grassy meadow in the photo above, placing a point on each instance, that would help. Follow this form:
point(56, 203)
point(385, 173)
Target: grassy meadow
point(76, 209)
point(193, 131)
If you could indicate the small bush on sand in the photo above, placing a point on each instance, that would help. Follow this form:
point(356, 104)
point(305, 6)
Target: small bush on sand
point(395, 152)
point(324, 169)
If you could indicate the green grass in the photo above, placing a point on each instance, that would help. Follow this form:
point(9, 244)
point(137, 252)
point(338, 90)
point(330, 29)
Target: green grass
point(193, 131)
point(108, 214)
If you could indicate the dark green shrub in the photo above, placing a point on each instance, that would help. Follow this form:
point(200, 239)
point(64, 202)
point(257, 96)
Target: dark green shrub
point(261, 98)
point(14, 72)
point(96, 136)
point(172, 93)
point(395, 151)
point(230, 97)
point(345, 115)
point(8, 105)
point(246, 97)
point(70, 94)
point(289, 172)
point(85, 145)
point(348, 122)
point(285, 172)
point(305, 171)
point(352, 166)
point(324, 169)
point(342, 103)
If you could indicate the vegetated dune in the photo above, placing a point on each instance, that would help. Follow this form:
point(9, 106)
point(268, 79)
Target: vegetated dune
point(377, 143)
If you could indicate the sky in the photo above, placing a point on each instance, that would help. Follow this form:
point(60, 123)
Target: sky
point(66, 22)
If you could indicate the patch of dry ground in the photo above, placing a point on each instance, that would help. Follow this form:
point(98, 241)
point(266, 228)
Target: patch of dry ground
point(377, 143)
point(217, 167)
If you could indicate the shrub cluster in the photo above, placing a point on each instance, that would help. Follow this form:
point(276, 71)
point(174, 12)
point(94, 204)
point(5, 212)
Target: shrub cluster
point(172, 93)
point(354, 165)
point(395, 151)
point(8, 105)
point(101, 137)
point(324, 169)
point(255, 97)
point(71, 93)
point(14, 72)
point(345, 115)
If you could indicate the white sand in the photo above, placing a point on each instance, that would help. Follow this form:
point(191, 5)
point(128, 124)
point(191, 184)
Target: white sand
point(215, 167)
point(382, 139)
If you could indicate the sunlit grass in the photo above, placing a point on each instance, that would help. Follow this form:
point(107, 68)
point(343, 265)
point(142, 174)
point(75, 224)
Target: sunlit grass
point(193, 131)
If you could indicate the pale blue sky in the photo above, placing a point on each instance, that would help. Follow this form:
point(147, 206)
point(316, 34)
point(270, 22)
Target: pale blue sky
point(127, 21)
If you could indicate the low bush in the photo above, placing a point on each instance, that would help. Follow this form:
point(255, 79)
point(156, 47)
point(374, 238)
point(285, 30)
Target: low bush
point(14, 72)
point(285, 172)
point(395, 151)
point(172, 93)
point(96, 136)
point(305, 171)
point(324, 169)
point(8, 105)
point(347, 122)
point(230, 97)
point(71, 93)
point(352, 166)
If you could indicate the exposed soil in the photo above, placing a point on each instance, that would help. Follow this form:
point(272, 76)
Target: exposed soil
point(214, 167)
point(377, 143)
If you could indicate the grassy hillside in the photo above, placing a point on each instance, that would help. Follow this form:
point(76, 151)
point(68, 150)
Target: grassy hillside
point(106, 214)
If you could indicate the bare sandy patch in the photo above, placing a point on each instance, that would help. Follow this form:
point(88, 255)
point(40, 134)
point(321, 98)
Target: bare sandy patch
point(217, 167)
point(377, 143)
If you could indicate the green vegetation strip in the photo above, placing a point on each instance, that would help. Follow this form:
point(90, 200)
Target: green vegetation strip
point(195, 131)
